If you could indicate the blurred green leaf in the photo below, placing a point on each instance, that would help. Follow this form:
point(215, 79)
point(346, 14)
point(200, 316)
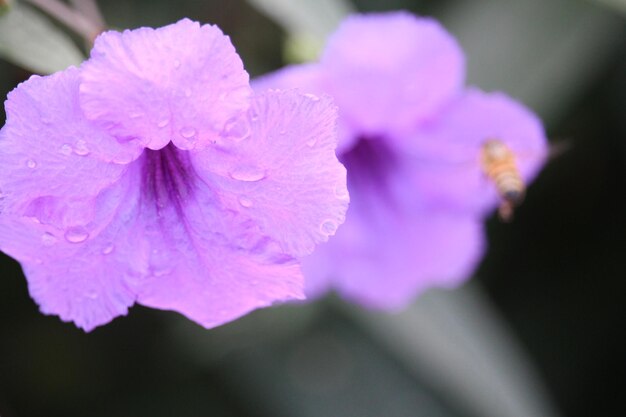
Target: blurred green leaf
point(31, 41)
point(4, 6)
point(307, 23)
point(618, 5)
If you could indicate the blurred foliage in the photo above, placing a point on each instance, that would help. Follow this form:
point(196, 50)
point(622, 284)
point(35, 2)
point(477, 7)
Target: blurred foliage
point(4, 6)
point(306, 22)
point(30, 40)
point(619, 5)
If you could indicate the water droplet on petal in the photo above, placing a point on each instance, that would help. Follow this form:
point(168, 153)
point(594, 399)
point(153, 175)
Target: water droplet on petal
point(188, 132)
point(237, 129)
point(31, 163)
point(48, 239)
point(311, 142)
point(176, 63)
point(328, 227)
point(81, 148)
point(282, 132)
point(245, 201)
point(108, 249)
point(76, 234)
point(247, 173)
point(312, 97)
point(65, 149)
point(163, 123)
point(187, 92)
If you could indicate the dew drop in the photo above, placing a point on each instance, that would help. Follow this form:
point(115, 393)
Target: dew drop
point(65, 149)
point(187, 92)
point(92, 295)
point(237, 129)
point(163, 123)
point(76, 234)
point(31, 163)
point(108, 249)
point(312, 97)
point(188, 132)
point(248, 174)
point(328, 227)
point(311, 142)
point(176, 63)
point(245, 201)
point(48, 239)
point(282, 132)
point(81, 148)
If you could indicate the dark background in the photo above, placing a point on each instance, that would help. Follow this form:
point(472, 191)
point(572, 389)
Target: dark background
point(556, 274)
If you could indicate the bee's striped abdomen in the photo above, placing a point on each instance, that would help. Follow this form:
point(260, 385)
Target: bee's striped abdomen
point(499, 165)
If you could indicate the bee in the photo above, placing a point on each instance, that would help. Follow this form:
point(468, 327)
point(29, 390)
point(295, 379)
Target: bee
point(499, 164)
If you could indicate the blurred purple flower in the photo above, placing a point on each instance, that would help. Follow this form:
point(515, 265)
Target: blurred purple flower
point(411, 139)
point(151, 174)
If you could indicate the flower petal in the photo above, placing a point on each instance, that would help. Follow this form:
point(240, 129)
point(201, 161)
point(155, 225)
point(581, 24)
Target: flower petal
point(383, 259)
point(279, 168)
point(212, 264)
point(309, 79)
point(50, 152)
point(389, 71)
point(449, 148)
point(81, 274)
point(392, 246)
point(181, 82)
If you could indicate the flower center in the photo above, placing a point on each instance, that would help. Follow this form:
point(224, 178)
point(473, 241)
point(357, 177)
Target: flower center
point(370, 165)
point(167, 178)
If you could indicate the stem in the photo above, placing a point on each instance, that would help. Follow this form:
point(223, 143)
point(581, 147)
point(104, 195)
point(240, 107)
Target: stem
point(69, 17)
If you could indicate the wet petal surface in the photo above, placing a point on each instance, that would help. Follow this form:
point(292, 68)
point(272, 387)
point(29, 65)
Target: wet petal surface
point(181, 83)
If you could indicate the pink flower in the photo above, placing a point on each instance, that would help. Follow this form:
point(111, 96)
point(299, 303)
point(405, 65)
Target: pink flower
point(411, 138)
point(152, 174)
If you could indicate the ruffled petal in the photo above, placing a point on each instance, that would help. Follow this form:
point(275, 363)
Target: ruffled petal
point(181, 82)
point(82, 273)
point(50, 152)
point(306, 77)
point(212, 264)
point(387, 72)
point(309, 79)
point(448, 149)
point(278, 167)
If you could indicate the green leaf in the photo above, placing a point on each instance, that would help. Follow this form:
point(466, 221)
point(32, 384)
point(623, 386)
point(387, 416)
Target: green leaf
point(4, 6)
point(307, 23)
point(31, 41)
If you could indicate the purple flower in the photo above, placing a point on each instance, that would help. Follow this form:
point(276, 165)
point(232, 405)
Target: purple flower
point(411, 139)
point(151, 174)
